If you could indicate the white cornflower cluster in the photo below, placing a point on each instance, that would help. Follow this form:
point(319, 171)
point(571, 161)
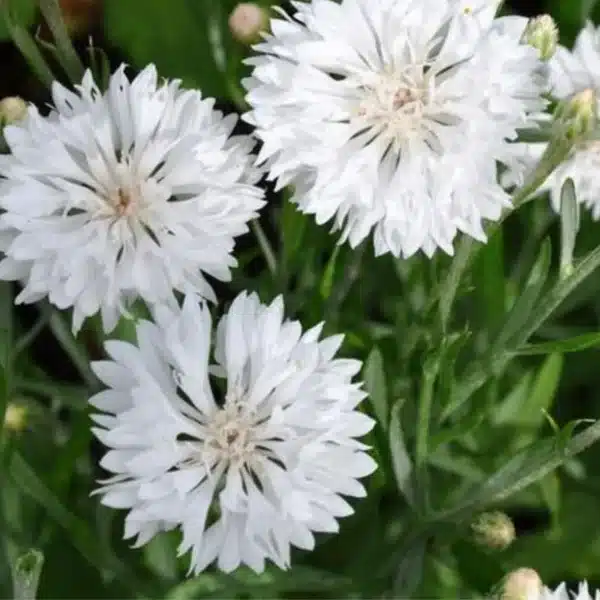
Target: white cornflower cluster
point(248, 453)
point(391, 115)
point(133, 192)
point(386, 117)
point(571, 72)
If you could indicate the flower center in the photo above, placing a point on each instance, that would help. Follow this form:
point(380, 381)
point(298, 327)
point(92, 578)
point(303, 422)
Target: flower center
point(395, 104)
point(123, 202)
point(230, 435)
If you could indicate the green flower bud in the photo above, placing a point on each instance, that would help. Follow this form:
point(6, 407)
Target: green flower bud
point(247, 21)
point(578, 115)
point(542, 33)
point(12, 110)
point(493, 531)
point(15, 418)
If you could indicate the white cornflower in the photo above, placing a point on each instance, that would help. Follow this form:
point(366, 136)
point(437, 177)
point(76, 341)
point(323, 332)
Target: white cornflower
point(249, 456)
point(561, 593)
point(391, 115)
point(135, 192)
point(570, 72)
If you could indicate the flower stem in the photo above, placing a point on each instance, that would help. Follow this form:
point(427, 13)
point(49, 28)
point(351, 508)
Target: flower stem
point(265, 246)
point(68, 58)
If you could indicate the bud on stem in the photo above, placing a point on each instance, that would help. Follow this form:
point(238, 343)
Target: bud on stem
point(493, 531)
point(541, 33)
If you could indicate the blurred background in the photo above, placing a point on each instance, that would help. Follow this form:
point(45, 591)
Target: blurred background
point(558, 525)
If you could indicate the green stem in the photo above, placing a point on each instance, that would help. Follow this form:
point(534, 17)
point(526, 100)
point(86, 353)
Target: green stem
point(29, 49)
point(496, 363)
point(69, 59)
point(422, 435)
point(265, 246)
point(75, 352)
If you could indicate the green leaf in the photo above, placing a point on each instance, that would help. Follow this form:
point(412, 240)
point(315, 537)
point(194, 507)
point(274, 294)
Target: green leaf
point(22, 12)
point(528, 466)
point(489, 280)
point(175, 35)
point(375, 385)
point(26, 574)
point(574, 344)
point(327, 279)
point(80, 534)
point(6, 325)
point(301, 579)
point(542, 392)
point(410, 571)
point(401, 462)
point(569, 226)
point(525, 303)
point(160, 555)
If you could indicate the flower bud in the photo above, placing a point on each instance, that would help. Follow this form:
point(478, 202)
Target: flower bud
point(12, 110)
point(541, 33)
point(578, 115)
point(15, 418)
point(493, 531)
point(247, 21)
point(522, 584)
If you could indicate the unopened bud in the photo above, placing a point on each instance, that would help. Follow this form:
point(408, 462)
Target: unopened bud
point(522, 584)
point(578, 115)
point(541, 33)
point(15, 418)
point(247, 21)
point(12, 110)
point(493, 531)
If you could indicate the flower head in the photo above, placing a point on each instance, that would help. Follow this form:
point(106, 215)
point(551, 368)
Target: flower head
point(574, 79)
point(390, 115)
point(248, 456)
point(561, 593)
point(134, 192)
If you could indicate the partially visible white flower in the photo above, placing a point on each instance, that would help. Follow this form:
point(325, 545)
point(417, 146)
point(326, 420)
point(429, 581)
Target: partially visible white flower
point(390, 115)
point(248, 457)
point(561, 593)
point(571, 72)
point(135, 192)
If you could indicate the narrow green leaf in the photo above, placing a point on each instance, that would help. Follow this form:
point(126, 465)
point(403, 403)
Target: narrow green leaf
point(489, 280)
point(26, 574)
point(327, 279)
point(6, 325)
point(574, 344)
point(528, 466)
point(542, 391)
point(401, 462)
point(507, 410)
point(521, 310)
point(410, 571)
point(375, 385)
point(68, 58)
point(569, 220)
point(22, 12)
point(80, 534)
point(174, 35)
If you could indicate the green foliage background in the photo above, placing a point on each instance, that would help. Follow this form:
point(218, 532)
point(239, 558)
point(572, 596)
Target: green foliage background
point(389, 312)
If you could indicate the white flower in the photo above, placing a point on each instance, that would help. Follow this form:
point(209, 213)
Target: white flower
point(136, 192)
point(245, 467)
point(561, 593)
point(570, 72)
point(390, 115)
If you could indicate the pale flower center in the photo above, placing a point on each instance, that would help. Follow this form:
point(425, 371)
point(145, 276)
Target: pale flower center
point(395, 104)
point(124, 202)
point(230, 435)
